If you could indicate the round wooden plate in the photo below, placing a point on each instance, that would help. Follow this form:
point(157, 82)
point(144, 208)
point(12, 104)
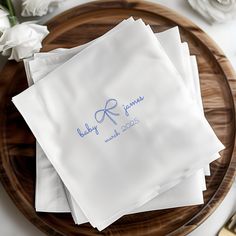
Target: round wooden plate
point(78, 26)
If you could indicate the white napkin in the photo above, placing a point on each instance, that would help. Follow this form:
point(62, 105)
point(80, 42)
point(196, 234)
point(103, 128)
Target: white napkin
point(187, 193)
point(50, 193)
point(137, 174)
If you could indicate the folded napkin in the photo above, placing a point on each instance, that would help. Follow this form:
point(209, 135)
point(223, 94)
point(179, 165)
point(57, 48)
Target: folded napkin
point(187, 193)
point(107, 127)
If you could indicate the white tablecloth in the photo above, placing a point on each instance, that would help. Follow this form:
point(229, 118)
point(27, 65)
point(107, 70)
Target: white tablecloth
point(12, 222)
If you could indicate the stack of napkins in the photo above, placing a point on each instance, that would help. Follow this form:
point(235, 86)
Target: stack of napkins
point(119, 125)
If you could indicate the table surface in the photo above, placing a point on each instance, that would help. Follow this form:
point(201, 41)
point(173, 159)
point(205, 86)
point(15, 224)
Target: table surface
point(12, 222)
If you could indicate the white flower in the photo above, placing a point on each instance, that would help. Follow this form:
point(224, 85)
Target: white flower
point(4, 21)
point(38, 7)
point(22, 40)
point(215, 10)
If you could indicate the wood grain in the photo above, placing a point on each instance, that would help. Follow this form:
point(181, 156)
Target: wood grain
point(78, 26)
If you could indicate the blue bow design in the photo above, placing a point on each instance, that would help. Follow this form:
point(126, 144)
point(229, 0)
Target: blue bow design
point(110, 104)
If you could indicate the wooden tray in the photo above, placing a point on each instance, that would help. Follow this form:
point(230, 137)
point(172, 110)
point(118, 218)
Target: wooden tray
point(78, 26)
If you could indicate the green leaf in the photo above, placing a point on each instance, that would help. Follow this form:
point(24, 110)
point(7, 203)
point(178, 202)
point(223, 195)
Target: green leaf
point(10, 8)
